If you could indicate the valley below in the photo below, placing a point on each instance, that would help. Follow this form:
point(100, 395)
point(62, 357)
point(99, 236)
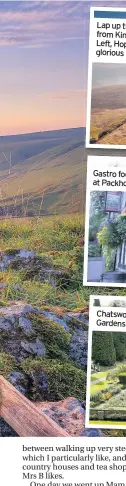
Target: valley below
point(41, 173)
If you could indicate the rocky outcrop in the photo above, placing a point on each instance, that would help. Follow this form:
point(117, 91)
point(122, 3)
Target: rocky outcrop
point(30, 332)
point(27, 352)
point(78, 347)
point(43, 351)
point(19, 380)
point(35, 267)
point(68, 413)
point(6, 430)
point(16, 308)
point(17, 335)
point(78, 317)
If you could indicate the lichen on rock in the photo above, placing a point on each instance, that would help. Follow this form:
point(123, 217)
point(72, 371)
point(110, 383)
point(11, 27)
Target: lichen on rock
point(41, 355)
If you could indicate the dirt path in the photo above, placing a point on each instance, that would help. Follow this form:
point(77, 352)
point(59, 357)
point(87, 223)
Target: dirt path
point(116, 137)
point(95, 382)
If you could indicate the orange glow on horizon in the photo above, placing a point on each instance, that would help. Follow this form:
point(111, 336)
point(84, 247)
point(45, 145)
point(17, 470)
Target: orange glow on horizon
point(19, 115)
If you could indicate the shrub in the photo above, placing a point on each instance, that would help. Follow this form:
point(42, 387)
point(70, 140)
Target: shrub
point(94, 250)
point(122, 378)
point(107, 395)
point(114, 234)
point(122, 367)
point(116, 402)
point(51, 332)
point(97, 397)
point(109, 255)
point(92, 233)
point(112, 375)
point(102, 414)
point(55, 352)
point(103, 351)
point(113, 389)
point(7, 364)
point(116, 415)
point(120, 345)
point(97, 220)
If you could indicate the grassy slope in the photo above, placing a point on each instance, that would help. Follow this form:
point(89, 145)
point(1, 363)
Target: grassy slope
point(25, 146)
point(117, 137)
point(49, 182)
point(59, 238)
point(108, 111)
point(105, 121)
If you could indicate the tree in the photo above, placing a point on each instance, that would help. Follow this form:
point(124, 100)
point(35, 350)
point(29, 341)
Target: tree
point(114, 234)
point(119, 339)
point(97, 206)
point(103, 351)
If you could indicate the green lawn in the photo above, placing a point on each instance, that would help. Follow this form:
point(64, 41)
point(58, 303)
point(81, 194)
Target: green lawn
point(101, 385)
point(99, 374)
point(57, 239)
point(106, 422)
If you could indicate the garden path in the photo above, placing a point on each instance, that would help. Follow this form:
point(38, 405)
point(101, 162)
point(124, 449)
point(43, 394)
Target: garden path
point(95, 382)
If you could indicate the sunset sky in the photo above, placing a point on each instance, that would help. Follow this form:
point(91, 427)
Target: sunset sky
point(43, 64)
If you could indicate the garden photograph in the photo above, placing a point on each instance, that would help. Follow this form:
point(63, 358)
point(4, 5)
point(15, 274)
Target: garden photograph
point(107, 238)
point(108, 379)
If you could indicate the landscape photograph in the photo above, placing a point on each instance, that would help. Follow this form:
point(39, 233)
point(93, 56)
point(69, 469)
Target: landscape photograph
point(108, 379)
point(44, 308)
point(108, 104)
point(43, 315)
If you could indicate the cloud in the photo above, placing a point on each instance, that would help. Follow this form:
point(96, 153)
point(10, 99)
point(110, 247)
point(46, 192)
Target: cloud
point(39, 23)
point(31, 24)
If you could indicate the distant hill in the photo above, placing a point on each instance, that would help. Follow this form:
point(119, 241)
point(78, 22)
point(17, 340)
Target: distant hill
point(108, 115)
point(42, 173)
point(109, 97)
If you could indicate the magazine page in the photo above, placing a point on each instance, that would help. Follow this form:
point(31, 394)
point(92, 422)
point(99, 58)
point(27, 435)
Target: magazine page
point(62, 336)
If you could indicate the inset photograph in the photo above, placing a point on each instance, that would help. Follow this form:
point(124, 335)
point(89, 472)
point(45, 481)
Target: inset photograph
point(106, 253)
point(108, 379)
point(108, 104)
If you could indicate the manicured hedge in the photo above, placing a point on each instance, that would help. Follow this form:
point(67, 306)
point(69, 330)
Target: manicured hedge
point(122, 378)
point(116, 415)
